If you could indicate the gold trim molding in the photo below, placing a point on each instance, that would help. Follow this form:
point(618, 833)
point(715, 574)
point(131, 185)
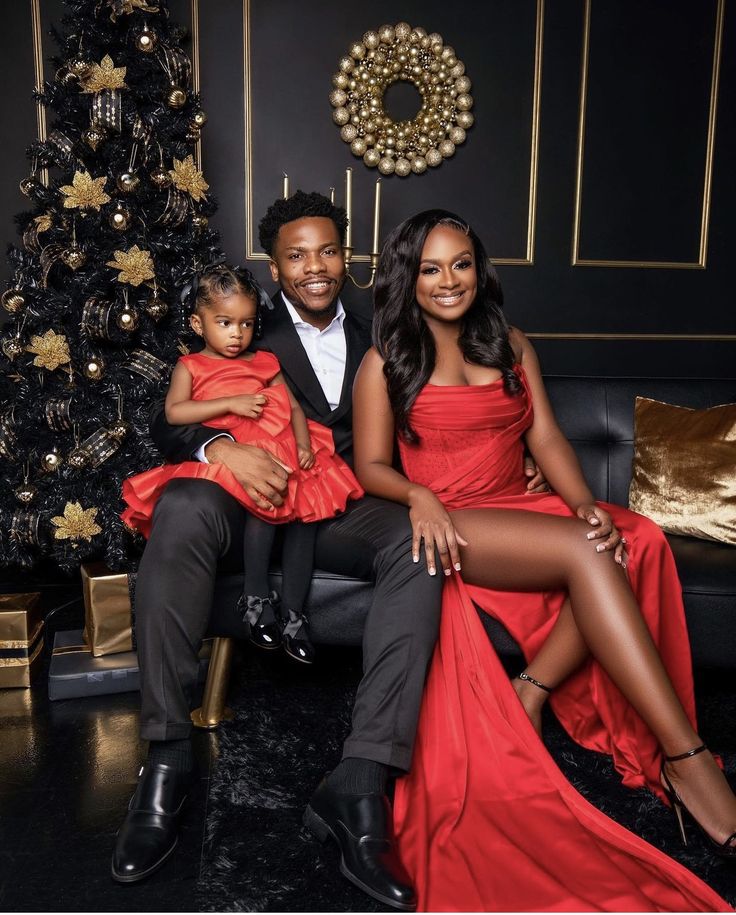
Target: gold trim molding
point(526, 261)
point(649, 338)
point(700, 264)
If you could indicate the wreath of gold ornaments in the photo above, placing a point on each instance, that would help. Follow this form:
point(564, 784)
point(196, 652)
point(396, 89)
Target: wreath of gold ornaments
point(384, 57)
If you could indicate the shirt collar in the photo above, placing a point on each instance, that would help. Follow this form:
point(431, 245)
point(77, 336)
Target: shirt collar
point(298, 321)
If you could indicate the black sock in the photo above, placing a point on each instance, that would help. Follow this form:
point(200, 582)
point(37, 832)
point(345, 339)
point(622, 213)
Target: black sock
point(359, 776)
point(175, 753)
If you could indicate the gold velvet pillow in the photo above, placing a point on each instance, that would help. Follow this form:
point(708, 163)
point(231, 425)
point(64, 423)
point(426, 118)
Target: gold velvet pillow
point(684, 473)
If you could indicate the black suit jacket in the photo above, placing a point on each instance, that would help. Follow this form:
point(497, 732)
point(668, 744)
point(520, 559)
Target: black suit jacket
point(179, 443)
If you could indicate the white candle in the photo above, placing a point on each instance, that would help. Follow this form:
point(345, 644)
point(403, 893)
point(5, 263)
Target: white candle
point(349, 206)
point(286, 186)
point(376, 217)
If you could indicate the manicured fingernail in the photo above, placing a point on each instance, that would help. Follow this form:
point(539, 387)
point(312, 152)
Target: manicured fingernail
point(600, 548)
point(432, 571)
point(415, 559)
point(457, 566)
point(594, 521)
point(590, 535)
point(448, 571)
point(618, 560)
point(623, 564)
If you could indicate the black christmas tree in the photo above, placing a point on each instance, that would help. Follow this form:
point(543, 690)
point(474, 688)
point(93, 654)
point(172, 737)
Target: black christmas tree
point(96, 303)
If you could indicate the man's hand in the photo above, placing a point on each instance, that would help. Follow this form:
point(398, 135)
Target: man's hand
point(536, 481)
point(262, 477)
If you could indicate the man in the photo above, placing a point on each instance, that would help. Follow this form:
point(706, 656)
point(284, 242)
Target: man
point(198, 531)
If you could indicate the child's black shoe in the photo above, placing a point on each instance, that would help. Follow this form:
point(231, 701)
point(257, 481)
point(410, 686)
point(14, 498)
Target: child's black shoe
point(295, 632)
point(260, 614)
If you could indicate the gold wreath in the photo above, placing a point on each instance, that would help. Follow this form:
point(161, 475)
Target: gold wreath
point(381, 58)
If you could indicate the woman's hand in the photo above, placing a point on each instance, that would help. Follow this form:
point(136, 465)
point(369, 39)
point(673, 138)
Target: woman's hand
point(605, 531)
point(306, 456)
point(247, 405)
point(431, 523)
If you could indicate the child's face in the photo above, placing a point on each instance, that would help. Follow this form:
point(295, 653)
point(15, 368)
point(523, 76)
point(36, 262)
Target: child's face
point(227, 325)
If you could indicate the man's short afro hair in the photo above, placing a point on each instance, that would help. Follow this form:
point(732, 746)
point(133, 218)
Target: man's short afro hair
point(297, 207)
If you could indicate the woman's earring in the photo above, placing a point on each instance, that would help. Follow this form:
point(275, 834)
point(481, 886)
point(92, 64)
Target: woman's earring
point(258, 329)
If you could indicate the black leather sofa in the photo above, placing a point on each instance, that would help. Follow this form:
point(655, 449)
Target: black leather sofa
point(597, 415)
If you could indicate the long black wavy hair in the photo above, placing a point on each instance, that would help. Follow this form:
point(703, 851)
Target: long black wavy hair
point(400, 333)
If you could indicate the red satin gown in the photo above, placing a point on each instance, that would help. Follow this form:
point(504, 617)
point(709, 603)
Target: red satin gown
point(485, 820)
point(314, 494)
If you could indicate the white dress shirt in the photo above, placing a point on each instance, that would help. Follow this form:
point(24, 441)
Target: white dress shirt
point(327, 353)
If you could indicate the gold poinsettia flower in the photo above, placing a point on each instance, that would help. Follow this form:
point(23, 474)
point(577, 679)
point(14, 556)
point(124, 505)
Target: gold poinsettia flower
point(84, 192)
point(125, 7)
point(187, 177)
point(76, 523)
point(135, 266)
point(52, 350)
point(104, 75)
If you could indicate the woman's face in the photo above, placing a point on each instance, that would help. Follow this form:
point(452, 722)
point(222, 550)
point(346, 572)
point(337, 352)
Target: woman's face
point(448, 281)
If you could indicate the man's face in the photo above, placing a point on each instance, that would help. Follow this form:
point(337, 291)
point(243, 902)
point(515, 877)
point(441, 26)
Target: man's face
point(307, 262)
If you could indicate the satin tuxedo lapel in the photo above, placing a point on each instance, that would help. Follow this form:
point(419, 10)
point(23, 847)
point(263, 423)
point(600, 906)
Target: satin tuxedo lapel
point(280, 338)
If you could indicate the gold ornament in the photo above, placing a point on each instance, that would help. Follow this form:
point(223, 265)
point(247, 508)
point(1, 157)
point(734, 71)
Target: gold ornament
point(405, 54)
point(176, 97)
point(85, 192)
point(43, 222)
point(13, 299)
point(76, 523)
point(78, 458)
point(146, 40)
point(74, 257)
point(199, 222)
point(199, 119)
point(160, 177)
point(187, 177)
point(104, 75)
point(94, 368)
point(26, 492)
point(127, 182)
point(135, 266)
point(156, 308)
point(128, 319)
point(51, 461)
point(52, 350)
point(12, 348)
point(192, 136)
point(65, 77)
point(120, 217)
point(119, 429)
point(94, 135)
point(30, 186)
point(79, 66)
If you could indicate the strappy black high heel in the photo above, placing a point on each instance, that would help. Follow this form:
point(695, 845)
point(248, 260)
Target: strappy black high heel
point(724, 849)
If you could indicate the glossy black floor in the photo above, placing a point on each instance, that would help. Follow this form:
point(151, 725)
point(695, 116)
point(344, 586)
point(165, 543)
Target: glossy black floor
point(68, 768)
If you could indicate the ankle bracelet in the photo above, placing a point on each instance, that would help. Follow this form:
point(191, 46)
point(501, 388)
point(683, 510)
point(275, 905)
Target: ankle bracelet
point(525, 676)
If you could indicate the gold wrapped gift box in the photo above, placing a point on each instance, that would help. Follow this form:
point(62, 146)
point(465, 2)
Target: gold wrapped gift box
point(107, 610)
point(21, 638)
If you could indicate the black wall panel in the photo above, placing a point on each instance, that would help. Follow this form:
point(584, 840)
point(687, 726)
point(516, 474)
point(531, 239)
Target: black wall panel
point(577, 257)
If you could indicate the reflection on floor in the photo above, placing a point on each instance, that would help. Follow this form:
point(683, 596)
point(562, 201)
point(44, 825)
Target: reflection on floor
point(67, 770)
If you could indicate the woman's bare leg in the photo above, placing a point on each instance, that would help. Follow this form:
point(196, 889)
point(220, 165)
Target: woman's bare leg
point(562, 653)
point(519, 550)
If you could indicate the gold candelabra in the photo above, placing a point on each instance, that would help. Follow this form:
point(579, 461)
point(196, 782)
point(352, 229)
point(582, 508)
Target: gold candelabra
point(348, 242)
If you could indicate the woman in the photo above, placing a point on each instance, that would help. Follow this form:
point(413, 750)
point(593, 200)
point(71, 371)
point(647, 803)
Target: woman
point(485, 819)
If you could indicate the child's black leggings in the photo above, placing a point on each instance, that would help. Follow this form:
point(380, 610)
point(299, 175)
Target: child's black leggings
point(297, 560)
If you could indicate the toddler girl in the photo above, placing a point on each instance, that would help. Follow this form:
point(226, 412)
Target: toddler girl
point(230, 388)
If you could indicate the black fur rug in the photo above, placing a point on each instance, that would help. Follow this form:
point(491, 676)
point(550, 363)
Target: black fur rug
point(288, 729)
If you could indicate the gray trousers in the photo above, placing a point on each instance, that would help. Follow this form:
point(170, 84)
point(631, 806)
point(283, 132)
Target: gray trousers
point(197, 532)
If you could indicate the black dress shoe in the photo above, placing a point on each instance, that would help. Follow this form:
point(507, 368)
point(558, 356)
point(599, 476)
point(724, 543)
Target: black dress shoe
point(149, 832)
point(295, 633)
point(260, 614)
point(361, 824)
